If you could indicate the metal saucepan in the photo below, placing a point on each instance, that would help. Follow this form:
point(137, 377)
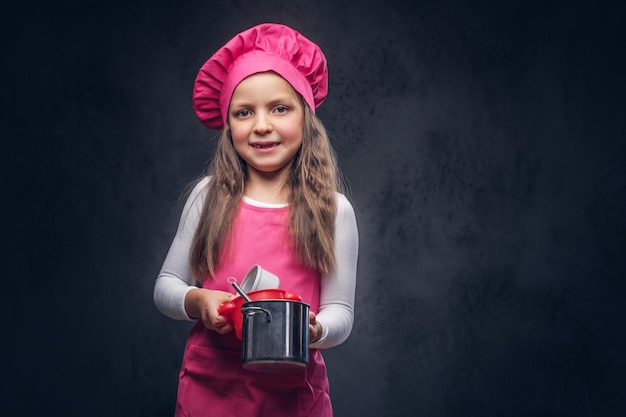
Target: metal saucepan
point(275, 335)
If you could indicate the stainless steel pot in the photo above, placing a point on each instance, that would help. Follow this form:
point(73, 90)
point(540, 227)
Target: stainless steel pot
point(275, 335)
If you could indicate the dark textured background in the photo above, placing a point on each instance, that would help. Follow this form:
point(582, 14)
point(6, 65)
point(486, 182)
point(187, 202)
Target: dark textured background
point(485, 144)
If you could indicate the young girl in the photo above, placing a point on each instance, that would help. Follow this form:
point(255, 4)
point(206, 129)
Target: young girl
point(271, 197)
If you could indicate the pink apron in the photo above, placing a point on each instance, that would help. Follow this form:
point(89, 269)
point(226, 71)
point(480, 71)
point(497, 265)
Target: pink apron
point(212, 381)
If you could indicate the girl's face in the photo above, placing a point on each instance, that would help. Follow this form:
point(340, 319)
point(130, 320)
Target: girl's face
point(266, 118)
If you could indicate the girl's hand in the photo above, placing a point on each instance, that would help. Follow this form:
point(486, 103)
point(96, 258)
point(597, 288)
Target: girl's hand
point(203, 304)
point(315, 328)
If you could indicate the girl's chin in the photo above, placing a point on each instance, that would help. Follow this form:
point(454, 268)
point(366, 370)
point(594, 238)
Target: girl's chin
point(267, 170)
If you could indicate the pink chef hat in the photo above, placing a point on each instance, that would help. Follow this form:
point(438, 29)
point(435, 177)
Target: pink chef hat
point(266, 47)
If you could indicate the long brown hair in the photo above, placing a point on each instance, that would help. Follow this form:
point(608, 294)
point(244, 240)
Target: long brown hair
point(311, 183)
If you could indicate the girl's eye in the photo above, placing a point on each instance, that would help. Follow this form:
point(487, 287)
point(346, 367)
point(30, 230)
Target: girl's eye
point(243, 113)
point(281, 109)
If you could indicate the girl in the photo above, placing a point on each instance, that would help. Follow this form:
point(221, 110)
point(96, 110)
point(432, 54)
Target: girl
point(270, 198)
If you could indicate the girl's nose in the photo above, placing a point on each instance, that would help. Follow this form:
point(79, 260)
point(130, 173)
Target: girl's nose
point(262, 125)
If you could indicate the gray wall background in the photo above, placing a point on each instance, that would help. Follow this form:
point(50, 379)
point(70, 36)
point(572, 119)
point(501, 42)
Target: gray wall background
point(484, 142)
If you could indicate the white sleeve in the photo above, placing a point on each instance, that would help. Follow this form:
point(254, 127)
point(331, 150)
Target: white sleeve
point(336, 314)
point(175, 279)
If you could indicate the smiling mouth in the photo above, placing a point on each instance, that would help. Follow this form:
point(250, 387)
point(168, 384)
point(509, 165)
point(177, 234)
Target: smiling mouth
point(264, 145)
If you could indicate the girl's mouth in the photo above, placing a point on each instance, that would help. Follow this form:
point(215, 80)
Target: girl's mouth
point(264, 145)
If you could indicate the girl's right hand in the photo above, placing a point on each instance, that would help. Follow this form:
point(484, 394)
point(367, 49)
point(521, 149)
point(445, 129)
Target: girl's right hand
point(203, 304)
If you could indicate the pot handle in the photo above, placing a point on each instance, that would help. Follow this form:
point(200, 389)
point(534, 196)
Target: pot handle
point(249, 311)
point(226, 310)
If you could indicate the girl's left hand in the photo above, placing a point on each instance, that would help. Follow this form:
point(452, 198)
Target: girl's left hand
point(315, 328)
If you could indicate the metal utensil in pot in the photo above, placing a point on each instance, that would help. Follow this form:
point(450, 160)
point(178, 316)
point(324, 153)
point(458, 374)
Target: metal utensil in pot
point(233, 282)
